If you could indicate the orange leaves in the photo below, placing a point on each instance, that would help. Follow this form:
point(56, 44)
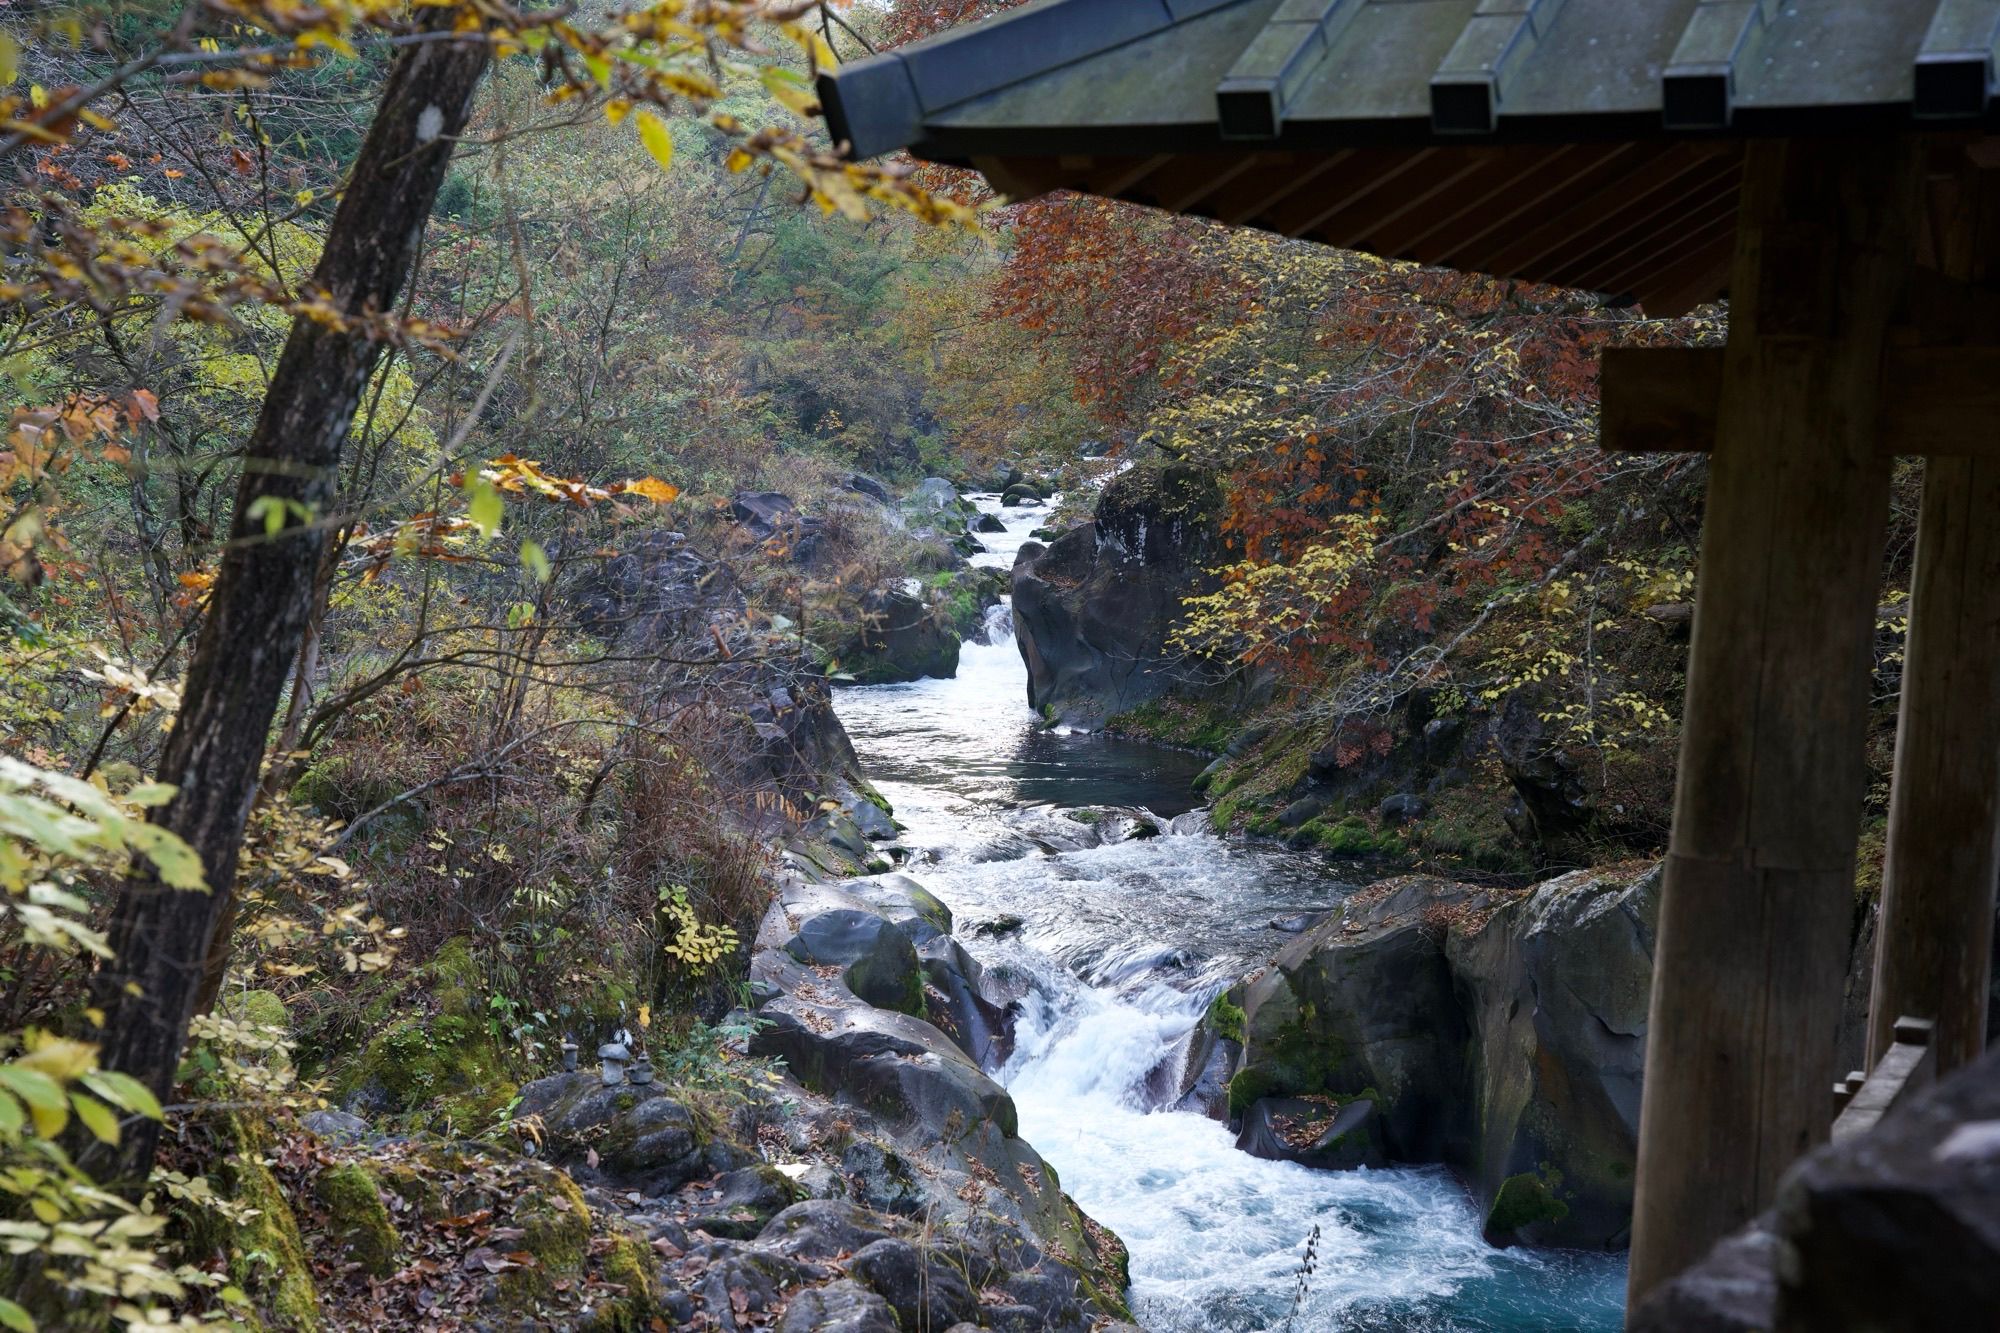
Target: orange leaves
point(651, 488)
point(511, 475)
point(451, 537)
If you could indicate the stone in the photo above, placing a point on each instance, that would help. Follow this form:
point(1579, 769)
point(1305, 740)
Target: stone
point(764, 514)
point(824, 1229)
point(988, 523)
point(1020, 494)
point(933, 493)
point(1401, 808)
point(839, 1307)
point(1502, 1034)
point(901, 1068)
point(879, 962)
point(644, 1138)
point(744, 1201)
point(340, 1127)
point(1344, 1135)
point(1899, 1228)
point(924, 1290)
point(869, 818)
point(1093, 608)
point(863, 484)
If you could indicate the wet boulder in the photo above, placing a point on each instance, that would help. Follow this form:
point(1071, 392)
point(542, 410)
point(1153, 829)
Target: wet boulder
point(1318, 1132)
point(988, 523)
point(900, 636)
point(1093, 608)
point(1500, 1032)
point(1556, 985)
point(1364, 1003)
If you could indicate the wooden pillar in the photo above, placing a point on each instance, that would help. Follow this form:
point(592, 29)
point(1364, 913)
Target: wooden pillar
point(1935, 940)
point(1755, 909)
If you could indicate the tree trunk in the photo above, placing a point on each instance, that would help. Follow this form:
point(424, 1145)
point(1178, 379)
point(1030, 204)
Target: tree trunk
point(263, 594)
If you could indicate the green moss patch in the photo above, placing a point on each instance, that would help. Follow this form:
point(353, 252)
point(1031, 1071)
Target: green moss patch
point(358, 1218)
point(1225, 1019)
point(1523, 1201)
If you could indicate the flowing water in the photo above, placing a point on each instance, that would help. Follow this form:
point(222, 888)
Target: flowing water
point(1127, 943)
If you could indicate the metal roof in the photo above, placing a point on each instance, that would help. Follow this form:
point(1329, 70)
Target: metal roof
point(1593, 143)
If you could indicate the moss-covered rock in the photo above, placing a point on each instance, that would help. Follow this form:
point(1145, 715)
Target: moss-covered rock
point(444, 1061)
point(358, 1218)
point(1225, 1019)
point(630, 1265)
point(555, 1226)
point(1523, 1201)
point(267, 1255)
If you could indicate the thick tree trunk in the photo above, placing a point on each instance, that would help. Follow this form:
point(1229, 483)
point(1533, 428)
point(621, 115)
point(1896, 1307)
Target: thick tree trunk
point(263, 595)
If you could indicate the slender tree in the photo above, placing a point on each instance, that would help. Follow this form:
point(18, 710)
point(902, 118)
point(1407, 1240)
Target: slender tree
point(263, 592)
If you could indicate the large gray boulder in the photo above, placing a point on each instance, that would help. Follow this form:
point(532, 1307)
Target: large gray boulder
point(1092, 610)
point(1500, 1032)
point(1555, 986)
point(959, 1161)
point(877, 961)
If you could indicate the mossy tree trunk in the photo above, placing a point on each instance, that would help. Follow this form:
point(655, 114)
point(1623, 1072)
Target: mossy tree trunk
point(262, 596)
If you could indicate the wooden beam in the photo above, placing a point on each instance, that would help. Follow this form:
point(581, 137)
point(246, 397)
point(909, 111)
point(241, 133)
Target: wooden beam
point(1758, 895)
point(1936, 402)
point(1935, 938)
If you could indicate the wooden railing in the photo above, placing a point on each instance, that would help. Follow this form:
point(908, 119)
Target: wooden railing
point(1905, 1069)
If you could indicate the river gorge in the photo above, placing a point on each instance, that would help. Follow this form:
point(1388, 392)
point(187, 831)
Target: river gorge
point(1123, 945)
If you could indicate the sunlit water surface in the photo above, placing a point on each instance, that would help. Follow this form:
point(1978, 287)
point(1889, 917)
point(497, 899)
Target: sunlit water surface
point(1128, 942)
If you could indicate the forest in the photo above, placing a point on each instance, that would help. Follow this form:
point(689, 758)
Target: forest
point(460, 462)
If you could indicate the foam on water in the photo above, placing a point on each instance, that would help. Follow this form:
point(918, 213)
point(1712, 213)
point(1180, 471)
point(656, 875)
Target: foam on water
point(1127, 943)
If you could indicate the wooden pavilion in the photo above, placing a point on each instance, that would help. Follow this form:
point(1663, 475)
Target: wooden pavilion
point(1833, 168)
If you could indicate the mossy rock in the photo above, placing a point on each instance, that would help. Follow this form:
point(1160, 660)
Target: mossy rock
point(1523, 1201)
point(630, 1265)
point(263, 1009)
point(266, 1256)
point(555, 1228)
point(1248, 1087)
point(447, 1060)
point(358, 1218)
point(1225, 1019)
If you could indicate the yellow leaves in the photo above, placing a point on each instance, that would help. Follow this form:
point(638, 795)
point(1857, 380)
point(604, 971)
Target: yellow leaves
point(738, 160)
point(790, 89)
point(649, 488)
point(10, 59)
point(657, 138)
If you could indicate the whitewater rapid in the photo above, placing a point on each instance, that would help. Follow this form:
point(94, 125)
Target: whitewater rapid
point(1125, 944)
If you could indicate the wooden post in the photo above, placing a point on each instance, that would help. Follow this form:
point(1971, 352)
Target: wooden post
point(1934, 945)
point(1759, 887)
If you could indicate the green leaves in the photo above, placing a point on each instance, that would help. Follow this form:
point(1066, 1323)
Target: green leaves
point(535, 560)
point(483, 504)
point(654, 134)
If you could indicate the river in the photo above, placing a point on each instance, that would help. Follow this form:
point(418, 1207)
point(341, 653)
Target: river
point(1127, 943)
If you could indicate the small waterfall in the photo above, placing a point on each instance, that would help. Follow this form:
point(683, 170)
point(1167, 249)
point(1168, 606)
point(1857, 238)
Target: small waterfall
point(999, 624)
